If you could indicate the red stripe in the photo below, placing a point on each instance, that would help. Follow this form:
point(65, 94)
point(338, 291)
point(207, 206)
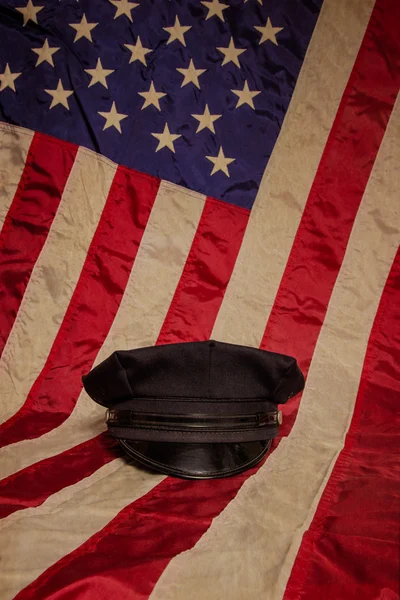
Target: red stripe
point(320, 243)
point(33, 485)
point(353, 541)
point(220, 225)
point(207, 271)
point(141, 538)
point(28, 221)
point(132, 572)
point(92, 309)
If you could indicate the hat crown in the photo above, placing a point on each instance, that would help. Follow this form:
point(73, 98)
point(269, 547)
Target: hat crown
point(210, 370)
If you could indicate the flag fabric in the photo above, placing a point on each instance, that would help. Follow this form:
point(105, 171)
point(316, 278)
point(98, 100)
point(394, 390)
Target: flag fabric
point(174, 171)
point(194, 93)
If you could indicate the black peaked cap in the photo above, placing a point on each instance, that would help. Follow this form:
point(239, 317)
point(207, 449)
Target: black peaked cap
point(197, 409)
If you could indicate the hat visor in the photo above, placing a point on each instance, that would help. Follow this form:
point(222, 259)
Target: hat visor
point(197, 461)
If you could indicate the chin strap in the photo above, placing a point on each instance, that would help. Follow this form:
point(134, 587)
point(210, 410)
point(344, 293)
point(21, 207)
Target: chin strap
point(180, 422)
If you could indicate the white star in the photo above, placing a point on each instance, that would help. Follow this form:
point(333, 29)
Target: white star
point(268, 32)
point(60, 96)
point(7, 79)
point(138, 52)
point(215, 7)
point(29, 12)
point(113, 118)
point(245, 96)
point(124, 7)
point(206, 120)
point(220, 162)
point(152, 97)
point(83, 29)
point(231, 54)
point(166, 139)
point(191, 74)
point(45, 53)
point(99, 74)
point(177, 32)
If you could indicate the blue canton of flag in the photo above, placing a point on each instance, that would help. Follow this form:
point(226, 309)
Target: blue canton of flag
point(194, 92)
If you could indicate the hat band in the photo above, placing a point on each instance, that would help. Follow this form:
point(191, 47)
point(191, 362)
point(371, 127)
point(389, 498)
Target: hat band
point(180, 422)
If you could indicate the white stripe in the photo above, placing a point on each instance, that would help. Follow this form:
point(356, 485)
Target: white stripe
point(154, 277)
point(249, 550)
point(53, 279)
point(36, 538)
point(290, 172)
point(64, 495)
point(14, 148)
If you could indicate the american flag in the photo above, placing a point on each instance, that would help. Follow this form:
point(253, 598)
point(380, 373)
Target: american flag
point(172, 171)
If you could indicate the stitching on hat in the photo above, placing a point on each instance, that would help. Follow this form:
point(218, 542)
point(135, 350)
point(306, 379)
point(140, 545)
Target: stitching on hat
point(285, 376)
point(202, 399)
point(192, 433)
point(124, 370)
point(196, 432)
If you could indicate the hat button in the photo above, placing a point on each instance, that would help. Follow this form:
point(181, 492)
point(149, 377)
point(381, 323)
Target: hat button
point(280, 417)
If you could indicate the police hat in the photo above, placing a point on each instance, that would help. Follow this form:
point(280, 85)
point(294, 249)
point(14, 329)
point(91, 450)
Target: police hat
point(195, 410)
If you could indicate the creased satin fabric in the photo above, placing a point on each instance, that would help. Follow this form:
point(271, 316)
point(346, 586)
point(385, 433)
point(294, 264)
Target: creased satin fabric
point(121, 259)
